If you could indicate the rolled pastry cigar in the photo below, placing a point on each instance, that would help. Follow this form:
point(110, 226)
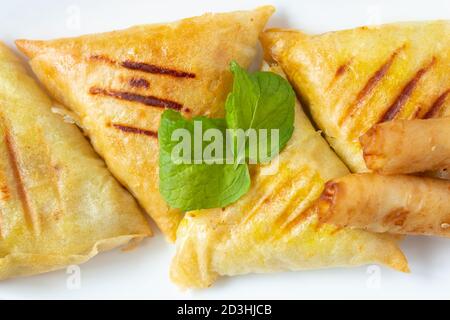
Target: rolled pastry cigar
point(397, 204)
point(408, 146)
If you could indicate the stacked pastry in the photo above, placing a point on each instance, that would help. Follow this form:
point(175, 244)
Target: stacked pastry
point(312, 214)
point(382, 101)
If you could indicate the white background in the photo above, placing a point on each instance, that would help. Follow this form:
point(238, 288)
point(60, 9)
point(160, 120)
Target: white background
point(143, 273)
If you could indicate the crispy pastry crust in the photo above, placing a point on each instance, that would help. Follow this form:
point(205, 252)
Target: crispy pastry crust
point(119, 83)
point(59, 205)
point(396, 204)
point(353, 79)
point(271, 229)
point(409, 146)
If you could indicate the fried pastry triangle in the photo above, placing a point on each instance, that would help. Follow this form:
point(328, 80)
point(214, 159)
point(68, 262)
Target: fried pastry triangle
point(119, 84)
point(354, 79)
point(271, 229)
point(59, 205)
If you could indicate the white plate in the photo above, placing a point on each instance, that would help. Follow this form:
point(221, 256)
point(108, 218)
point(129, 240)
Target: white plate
point(143, 274)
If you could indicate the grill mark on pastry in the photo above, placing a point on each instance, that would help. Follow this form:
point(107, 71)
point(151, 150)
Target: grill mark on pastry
point(299, 219)
point(416, 113)
point(406, 93)
point(5, 194)
point(135, 130)
point(154, 69)
point(369, 87)
point(144, 67)
point(150, 101)
point(300, 195)
point(254, 208)
point(344, 68)
point(436, 106)
point(139, 83)
point(30, 215)
point(102, 58)
point(286, 224)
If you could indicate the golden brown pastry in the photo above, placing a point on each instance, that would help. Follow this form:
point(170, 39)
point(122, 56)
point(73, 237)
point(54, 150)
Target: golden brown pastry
point(408, 146)
point(119, 83)
point(270, 228)
point(354, 79)
point(59, 205)
point(384, 204)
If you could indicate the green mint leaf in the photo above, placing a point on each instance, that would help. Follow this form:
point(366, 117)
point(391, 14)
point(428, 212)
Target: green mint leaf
point(198, 167)
point(262, 100)
point(191, 186)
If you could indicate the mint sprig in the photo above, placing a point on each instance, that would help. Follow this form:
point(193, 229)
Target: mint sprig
point(196, 186)
point(258, 101)
point(261, 101)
